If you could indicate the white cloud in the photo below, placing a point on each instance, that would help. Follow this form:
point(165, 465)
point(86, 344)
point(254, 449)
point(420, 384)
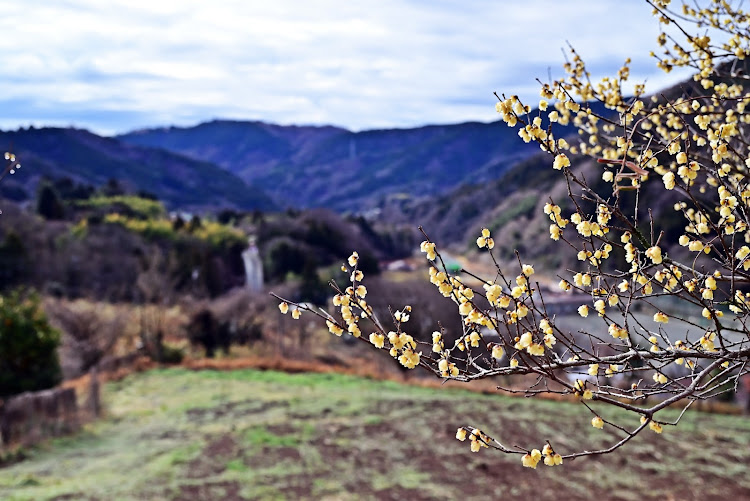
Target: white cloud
point(122, 64)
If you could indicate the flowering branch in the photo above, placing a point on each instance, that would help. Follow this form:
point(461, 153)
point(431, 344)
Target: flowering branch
point(689, 153)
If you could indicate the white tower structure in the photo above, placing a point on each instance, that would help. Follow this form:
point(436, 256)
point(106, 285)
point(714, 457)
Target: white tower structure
point(253, 266)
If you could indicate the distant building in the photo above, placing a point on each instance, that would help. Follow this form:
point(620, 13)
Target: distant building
point(400, 265)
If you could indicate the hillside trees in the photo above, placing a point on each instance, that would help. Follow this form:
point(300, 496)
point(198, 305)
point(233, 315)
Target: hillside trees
point(28, 346)
point(663, 313)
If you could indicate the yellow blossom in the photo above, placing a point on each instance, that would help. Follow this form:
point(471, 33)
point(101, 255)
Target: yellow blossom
point(429, 249)
point(493, 293)
point(334, 329)
point(353, 259)
point(617, 332)
point(524, 341)
point(536, 349)
point(561, 160)
point(409, 358)
point(443, 365)
point(531, 459)
point(549, 340)
point(668, 180)
point(597, 422)
point(654, 253)
point(707, 341)
point(497, 351)
point(599, 306)
point(474, 338)
point(661, 317)
point(711, 283)
point(545, 326)
point(401, 316)
point(466, 309)
point(377, 339)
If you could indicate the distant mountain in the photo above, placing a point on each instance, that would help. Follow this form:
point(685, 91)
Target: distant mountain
point(344, 170)
point(87, 158)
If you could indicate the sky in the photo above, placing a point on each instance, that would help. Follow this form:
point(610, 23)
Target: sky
point(114, 66)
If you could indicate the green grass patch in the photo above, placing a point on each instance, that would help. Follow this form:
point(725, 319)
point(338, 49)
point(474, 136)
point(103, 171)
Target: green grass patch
point(260, 436)
point(236, 465)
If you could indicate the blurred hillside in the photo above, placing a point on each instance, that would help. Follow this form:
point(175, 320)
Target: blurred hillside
point(344, 170)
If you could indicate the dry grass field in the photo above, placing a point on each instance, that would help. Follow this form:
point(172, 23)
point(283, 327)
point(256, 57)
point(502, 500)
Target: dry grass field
point(249, 434)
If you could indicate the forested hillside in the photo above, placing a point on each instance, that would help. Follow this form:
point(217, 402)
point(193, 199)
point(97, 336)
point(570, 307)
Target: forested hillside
point(89, 159)
point(344, 170)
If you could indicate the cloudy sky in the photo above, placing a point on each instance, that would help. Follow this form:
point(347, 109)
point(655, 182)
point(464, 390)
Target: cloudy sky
point(117, 65)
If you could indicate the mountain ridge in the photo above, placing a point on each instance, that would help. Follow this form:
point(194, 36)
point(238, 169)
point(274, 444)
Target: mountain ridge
point(308, 166)
point(85, 157)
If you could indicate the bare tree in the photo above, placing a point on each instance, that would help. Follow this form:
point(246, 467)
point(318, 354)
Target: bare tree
point(157, 290)
point(90, 332)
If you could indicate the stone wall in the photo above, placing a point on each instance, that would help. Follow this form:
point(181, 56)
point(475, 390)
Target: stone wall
point(30, 417)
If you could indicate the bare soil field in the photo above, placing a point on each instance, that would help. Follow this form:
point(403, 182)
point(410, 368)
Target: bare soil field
point(248, 434)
